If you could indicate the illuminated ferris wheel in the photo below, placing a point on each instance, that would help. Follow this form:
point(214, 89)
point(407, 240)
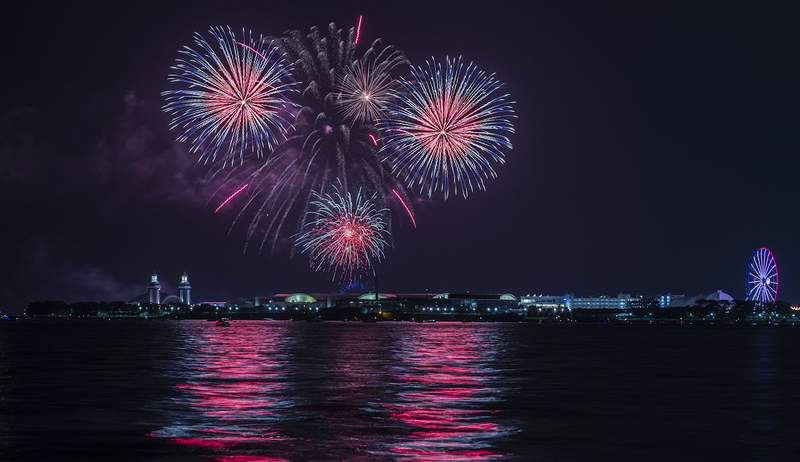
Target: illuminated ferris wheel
point(762, 276)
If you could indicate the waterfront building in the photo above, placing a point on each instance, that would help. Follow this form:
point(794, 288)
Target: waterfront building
point(717, 296)
point(154, 290)
point(571, 302)
point(468, 302)
point(292, 302)
point(551, 302)
point(155, 296)
point(720, 296)
point(185, 290)
point(672, 300)
point(602, 302)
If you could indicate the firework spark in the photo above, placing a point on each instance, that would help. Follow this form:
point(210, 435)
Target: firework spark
point(358, 28)
point(405, 206)
point(230, 198)
point(447, 127)
point(231, 96)
point(365, 90)
point(345, 234)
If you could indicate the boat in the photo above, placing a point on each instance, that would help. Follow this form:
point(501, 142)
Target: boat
point(223, 322)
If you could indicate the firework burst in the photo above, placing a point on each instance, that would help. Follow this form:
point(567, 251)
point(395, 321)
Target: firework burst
point(231, 96)
point(345, 234)
point(365, 90)
point(325, 145)
point(447, 127)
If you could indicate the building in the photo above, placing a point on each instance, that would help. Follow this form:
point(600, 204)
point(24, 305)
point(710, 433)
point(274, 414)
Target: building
point(672, 300)
point(621, 302)
point(296, 300)
point(602, 302)
point(552, 302)
point(291, 303)
point(154, 290)
point(156, 296)
point(571, 302)
point(402, 306)
point(718, 297)
point(477, 303)
point(185, 290)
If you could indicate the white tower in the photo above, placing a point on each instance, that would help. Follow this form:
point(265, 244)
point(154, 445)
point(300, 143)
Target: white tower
point(185, 290)
point(154, 290)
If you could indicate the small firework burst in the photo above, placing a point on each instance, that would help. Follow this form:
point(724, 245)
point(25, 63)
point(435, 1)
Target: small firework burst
point(344, 234)
point(231, 96)
point(447, 127)
point(364, 92)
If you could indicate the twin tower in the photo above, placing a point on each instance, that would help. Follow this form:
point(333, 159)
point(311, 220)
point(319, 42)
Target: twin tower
point(184, 290)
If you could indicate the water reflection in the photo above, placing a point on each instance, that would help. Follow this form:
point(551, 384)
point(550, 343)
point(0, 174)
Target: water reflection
point(232, 391)
point(765, 372)
point(186, 391)
point(355, 375)
point(447, 385)
point(263, 391)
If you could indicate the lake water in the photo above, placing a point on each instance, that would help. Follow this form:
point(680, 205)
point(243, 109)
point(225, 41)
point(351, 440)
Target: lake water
point(274, 390)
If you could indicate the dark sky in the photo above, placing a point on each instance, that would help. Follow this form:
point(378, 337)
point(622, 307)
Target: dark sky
point(656, 146)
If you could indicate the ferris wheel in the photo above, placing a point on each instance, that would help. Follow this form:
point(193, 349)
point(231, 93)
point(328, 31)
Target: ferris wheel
point(762, 276)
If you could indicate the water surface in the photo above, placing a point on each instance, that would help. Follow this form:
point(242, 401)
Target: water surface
point(274, 390)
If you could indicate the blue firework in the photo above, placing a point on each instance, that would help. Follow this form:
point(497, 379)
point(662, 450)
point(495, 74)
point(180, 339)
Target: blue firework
point(230, 96)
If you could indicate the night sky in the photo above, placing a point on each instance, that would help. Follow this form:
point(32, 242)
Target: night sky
point(656, 146)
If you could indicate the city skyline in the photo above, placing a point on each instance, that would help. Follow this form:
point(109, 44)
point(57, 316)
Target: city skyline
point(183, 295)
point(638, 179)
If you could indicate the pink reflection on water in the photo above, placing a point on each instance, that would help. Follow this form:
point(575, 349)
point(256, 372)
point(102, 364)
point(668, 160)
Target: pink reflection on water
point(249, 459)
point(446, 382)
point(233, 390)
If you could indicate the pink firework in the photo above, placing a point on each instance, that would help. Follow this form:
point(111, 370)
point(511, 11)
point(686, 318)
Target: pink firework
point(358, 29)
point(231, 96)
point(230, 198)
point(405, 206)
point(345, 234)
point(447, 127)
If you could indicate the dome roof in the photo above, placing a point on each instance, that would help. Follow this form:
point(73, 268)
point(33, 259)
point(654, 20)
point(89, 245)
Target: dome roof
point(719, 296)
point(300, 298)
point(170, 299)
point(371, 296)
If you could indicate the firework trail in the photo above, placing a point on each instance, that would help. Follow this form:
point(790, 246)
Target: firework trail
point(345, 234)
point(358, 29)
point(447, 127)
point(405, 206)
point(325, 145)
point(230, 198)
point(230, 96)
